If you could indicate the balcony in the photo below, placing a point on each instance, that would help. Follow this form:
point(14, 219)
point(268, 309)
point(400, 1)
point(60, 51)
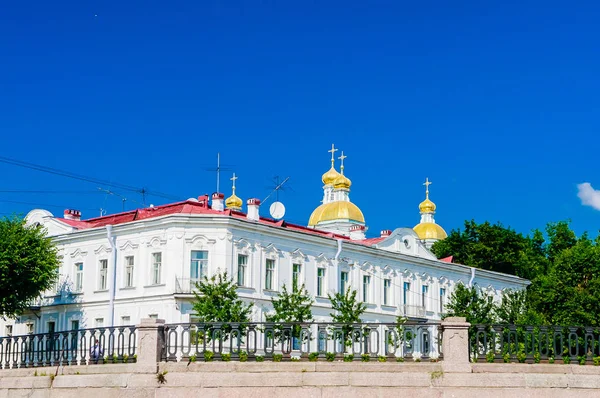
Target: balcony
point(415, 311)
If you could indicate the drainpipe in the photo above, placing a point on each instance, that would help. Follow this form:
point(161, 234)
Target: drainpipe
point(472, 277)
point(113, 285)
point(339, 250)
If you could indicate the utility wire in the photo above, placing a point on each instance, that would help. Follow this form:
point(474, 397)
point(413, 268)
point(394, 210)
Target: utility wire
point(38, 204)
point(80, 177)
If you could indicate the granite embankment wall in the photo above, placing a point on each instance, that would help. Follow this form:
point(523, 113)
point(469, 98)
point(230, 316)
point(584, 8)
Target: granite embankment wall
point(303, 379)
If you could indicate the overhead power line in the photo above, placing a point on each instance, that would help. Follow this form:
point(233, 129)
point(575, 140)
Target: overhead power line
point(80, 177)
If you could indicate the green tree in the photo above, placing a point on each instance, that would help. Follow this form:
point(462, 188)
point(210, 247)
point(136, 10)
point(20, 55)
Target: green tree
point(347, 311)
point(291, 307)
point(216, 300)
point(515, 309)
point(28, 264)
point(467, 302)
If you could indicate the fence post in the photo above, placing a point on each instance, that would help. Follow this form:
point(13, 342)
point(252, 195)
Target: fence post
point(455, 345)
point(150, 341)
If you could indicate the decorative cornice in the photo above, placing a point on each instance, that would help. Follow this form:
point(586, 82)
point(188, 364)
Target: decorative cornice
point(200, 239)
point(156, 241)
point(78, 253)
point(102, 249)
point(128, 246)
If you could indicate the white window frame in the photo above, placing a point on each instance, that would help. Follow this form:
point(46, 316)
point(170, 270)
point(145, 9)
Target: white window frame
point(345, 283)
point(102, 274)
point(8, 330)
point(442, 298)
point(242, 269)
point(156, 268)
point(201, 264)
point(129, 271)
point(406, 293)
point(424, 296)
point(387, 290)
point(79, 267)
point(321, 282)
point(270, 269)
point(297, 278)
point(366, 288)
point(30, 327)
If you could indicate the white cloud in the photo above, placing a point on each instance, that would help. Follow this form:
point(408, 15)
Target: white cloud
point(588, 195)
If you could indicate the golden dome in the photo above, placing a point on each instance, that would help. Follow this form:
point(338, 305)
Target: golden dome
point(342, 182)
point(427, 206)
point(339, 210)
point(233, 202)
point(430, 230)
point(330, 176)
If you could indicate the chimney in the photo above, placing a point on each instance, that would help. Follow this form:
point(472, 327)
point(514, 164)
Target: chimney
point(253, 205)
point(357, 232)
point(218, 201)
point(203, 200)
point(72, 214)
point(386, 232)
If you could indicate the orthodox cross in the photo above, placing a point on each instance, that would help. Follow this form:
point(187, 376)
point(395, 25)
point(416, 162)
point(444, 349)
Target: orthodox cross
point(427, 183)
point(341, 158)
point(333, 150)
point(233, 179)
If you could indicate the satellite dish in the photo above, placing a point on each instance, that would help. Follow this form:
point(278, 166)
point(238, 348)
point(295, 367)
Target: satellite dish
point(277, 210)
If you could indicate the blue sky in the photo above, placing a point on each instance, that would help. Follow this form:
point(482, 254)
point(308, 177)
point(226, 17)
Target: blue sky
point(496, 102)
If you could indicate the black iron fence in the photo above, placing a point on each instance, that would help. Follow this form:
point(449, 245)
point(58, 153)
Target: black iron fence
point(419, 341)
point(534, 344)
point(75, 347)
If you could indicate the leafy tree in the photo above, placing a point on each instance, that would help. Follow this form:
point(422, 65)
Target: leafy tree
point(291, 307)
point(28, 264)
point(467, 302)
point(347, 311)
point(216, 300)
point(514, 309)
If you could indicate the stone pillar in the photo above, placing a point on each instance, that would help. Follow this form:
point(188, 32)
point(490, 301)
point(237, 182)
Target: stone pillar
point(455, 345)
point(150, 341)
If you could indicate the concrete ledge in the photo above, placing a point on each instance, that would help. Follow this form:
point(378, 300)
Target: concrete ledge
point(25, 382)
point(377, 366)
point(534, 368)
point(390, 379)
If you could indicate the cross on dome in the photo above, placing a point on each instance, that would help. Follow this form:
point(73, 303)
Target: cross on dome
point(341, 158)
point(333, 150)
point(233, 179)
point(427, 183)
point(233, 202)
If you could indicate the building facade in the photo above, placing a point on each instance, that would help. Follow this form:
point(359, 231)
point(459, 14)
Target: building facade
point(119, 268)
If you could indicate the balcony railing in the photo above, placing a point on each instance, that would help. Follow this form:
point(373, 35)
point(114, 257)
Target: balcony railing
point(76, 347)
point(185, 285)
point(256, 340)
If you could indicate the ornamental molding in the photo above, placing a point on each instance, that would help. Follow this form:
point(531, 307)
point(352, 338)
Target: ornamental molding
point(102, 249)
point(298, 255)
point(425, 277)
point(243, 246)
point(200, 240)
point(156, 241)
point(408, 274)
point(271, 251)
point(322, 260)
point(128, 246)
point(78, 253)
point(443, 281)
point(388, 270)
point(367, 266)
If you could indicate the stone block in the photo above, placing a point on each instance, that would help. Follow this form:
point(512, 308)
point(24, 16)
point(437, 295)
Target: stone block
point(537, 380)
point(478, 380)
point(378, 392)
point(583, 381)
point(390, 379)
point(98, 381)
point(142, 380)
point(325, 379)
point(27, 382)
point(36, 393)
point(235, 379)
point(269, 392)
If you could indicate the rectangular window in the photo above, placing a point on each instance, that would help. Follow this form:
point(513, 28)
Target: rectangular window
point(321, 282)
point(343, 282)
point(366, 288)
point(125, 320)
point(405, 292)
point(153, 316)
point(99, 322)
point(156, 268)
point(269, 274)
point(129, 261)
point(198, 265)
point(387, 286)
point(51, 327)
point(242, 268)
point(75, 325)
point(30, 328)
point(424, 291)
point(9, 331)
point(442, 298)
point(79, 277)
point(296, 275)
point(103, 280)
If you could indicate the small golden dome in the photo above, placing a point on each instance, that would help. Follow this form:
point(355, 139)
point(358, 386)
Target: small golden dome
point(339, 210)
point(429, 230)
point(427, 206)
point(342, 182)
point(330, 176)
point(233, 202)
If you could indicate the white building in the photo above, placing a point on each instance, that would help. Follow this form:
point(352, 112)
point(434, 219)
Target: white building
point(119, 268)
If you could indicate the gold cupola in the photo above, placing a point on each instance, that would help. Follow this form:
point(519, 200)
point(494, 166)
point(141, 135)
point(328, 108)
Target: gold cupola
point(330, 176)
point(233, 202)
point(427, 230)
point(341, 181)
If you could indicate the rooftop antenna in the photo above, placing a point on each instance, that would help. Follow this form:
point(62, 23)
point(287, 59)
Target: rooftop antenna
point(123, 198)
point(218, 170)
point(278, 187)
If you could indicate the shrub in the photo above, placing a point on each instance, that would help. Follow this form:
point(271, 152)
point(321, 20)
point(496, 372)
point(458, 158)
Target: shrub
point(537, 357)
point(277, 357)
point(567, 360)
point(489, 357)
point(521, 357)
point(295, 358)
point(506, 357)
point(381, 358)
point(581, 359)
point(551, 360)
point(225, 357)
point(125, 358)
point(208, 356)
point(260, 358)
point(330, 356)
point(399, 359)
point(193, 358)
point(313, 356)
point(596, 361)
point(365, 357)
point(115, 358)
point(243, 356)
point(349, 358)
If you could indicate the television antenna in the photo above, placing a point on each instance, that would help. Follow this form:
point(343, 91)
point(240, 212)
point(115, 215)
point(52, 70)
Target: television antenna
point(218, 170)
